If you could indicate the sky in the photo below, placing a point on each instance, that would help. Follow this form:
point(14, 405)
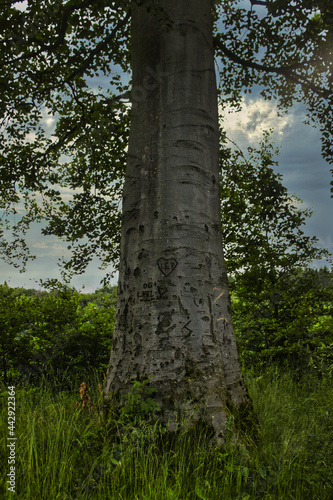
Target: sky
point(304, 173)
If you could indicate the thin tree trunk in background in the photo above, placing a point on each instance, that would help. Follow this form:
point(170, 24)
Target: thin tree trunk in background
point(174, 316)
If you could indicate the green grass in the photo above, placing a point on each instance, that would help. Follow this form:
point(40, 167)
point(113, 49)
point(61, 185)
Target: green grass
point(65, 453)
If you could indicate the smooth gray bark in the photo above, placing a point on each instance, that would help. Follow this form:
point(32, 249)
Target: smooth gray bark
point(174, 316)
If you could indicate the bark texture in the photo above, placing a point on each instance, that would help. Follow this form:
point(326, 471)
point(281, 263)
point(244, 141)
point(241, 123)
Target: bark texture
point(174, 316)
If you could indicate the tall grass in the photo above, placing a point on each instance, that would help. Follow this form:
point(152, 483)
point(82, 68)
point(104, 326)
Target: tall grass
point(65, 452)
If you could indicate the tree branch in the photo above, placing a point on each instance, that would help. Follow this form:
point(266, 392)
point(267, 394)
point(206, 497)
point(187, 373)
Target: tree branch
point(258, 2)
point(99, 47)
point(60, 39)
point(287, 71)
point(44, 47)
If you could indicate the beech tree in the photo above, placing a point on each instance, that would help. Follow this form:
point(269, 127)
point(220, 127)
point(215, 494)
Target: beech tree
point(174, 318)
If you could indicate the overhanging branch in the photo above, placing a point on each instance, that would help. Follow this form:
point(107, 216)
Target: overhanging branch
point(287, 71)
point(99, 48)
point(45, 48)
point(258, 2)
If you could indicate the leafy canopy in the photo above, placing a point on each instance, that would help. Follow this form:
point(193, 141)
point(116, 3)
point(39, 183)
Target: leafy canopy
point(64, 112)
point(262, 224)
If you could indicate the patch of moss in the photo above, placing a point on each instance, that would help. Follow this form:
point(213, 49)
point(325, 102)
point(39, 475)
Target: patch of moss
point(192, 371)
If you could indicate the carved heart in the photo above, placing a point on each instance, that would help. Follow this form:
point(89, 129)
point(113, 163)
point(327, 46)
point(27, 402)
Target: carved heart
point(166, 266)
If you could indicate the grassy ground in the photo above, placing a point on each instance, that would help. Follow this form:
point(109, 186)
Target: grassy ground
point(65, 453)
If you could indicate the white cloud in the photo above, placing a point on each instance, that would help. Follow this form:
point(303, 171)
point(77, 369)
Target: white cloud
point(48, 119)
point(40, 245)
point(256, 116)
point(49, 249)
point(31, 137)
point(22, 6)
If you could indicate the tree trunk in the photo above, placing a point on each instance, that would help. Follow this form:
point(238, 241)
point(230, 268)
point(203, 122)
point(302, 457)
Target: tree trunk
point(174, 316)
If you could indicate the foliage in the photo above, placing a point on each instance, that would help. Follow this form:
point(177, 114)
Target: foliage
point(134, 422)
point(95, 325)
point(65, 452)
point(102, 297)
point(261, 222)
point(288, 321)
point(282, 311)
point(15, 318)
point(286, 48)
point(53, 332)
point(57, 49)
point(65, 116)
point(138, 403)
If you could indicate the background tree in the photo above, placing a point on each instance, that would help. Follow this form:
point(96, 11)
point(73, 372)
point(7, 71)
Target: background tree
point(282, 310)
point(287, 324)
point(262, 223)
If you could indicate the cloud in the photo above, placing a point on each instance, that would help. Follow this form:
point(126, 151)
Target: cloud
point(49, 249)
point(40, 245)
point(22, 6)
point(47, 267)
point(48, 119)
point(256, 116)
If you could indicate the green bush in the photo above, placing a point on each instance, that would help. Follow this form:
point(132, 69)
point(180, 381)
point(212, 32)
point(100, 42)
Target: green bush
point(287, 321)
point(53, 333)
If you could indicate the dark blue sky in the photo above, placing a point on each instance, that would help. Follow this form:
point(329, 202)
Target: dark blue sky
point(304, 171)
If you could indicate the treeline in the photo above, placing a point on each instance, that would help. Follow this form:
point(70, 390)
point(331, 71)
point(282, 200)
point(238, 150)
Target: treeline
point(282, 319)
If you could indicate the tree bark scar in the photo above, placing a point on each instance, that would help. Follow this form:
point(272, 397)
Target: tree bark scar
point(186, 330)
point(165, 322)
point(183, 311)
point(217, 298)
point(211, 315)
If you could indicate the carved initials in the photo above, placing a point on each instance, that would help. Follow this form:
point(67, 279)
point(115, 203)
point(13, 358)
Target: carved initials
point(167, 266)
